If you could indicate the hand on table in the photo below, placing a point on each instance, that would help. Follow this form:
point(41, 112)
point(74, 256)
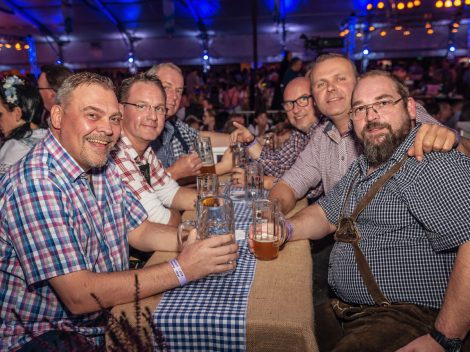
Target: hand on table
point(423, 343)
point(432, 138)
point(200, 258)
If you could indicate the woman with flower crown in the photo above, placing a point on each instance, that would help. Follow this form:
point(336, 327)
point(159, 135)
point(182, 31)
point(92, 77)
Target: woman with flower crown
point(20, 111)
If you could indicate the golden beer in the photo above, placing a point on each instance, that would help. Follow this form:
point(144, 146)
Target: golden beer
point(208, 169)
point(265, 247)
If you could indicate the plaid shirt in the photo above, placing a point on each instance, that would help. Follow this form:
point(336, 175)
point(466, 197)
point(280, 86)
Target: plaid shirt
point(157, 196)
point(409, 232)
point(52, 224)
point(168, 147)
point(328, 155)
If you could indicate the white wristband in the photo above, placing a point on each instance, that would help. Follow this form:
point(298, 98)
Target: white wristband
point(178, 272)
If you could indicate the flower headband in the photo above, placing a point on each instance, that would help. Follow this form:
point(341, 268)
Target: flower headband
point(9, 89)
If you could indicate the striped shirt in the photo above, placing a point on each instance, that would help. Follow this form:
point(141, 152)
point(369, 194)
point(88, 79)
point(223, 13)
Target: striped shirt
point(53, 222)
point(157, 195)
point(410, 231)
point(328, 155)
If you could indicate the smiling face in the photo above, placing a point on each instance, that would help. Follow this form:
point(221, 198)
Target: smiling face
point(301, 117)
point(173, 83)
point(332, 82)
point(88, 125)
point(381, 132)
point(142, 127)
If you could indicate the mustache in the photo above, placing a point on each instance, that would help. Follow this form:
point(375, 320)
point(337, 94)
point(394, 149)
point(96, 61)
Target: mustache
point(376, 124)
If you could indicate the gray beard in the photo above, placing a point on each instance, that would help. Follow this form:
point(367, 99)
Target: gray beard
point(378, 154)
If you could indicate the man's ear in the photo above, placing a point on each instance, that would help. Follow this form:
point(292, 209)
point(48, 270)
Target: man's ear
point(411, 107)
point(56, 116)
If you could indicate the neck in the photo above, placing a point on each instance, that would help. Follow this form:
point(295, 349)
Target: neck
point(341, 123)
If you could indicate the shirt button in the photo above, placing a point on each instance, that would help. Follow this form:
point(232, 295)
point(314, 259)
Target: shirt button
point(342, 158)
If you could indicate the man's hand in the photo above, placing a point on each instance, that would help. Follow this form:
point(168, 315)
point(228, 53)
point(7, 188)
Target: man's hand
point(225, 165)
point(432, 138)
point(187, 165)
point(241, 134)
point(423, 343)
point(200, 258)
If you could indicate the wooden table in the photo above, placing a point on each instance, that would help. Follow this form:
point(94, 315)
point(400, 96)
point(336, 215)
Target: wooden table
point(280, 306)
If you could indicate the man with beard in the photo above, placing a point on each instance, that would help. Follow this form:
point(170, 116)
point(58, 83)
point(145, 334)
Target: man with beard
point(66, 223)
point(399, 266)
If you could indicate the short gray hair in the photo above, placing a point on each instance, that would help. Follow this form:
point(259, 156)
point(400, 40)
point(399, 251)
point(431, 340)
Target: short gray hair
point(329, 56)
point(402, 89)
point(145, 77)
point(83, 78)
point(154, 70)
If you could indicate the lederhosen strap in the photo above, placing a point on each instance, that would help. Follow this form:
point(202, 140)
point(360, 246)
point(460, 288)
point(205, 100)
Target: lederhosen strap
point(348, 232)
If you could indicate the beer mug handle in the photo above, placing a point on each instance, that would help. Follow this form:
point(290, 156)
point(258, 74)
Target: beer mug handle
point(183, 232)
point(281, 229)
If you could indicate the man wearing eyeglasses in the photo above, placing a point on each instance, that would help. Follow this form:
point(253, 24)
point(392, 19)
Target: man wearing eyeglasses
point(400, 264)
point(298, 104)
point(173, 146)
point(142, 99)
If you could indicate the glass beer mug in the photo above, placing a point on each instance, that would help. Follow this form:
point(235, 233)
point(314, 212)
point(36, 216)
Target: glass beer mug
point(203, 147)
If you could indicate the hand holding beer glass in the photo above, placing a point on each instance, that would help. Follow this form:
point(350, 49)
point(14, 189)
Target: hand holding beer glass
point(215, 217)
point(203, 147)
point(268, 230)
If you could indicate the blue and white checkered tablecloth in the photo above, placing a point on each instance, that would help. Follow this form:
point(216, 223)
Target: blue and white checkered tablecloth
point(210, 314)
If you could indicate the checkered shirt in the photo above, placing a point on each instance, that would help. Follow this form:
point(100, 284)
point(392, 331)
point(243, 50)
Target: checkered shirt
point(328, 155)
point(52, 224)
point(410, 231)
point(210, 314)
point(168, 147)
point(157, 196)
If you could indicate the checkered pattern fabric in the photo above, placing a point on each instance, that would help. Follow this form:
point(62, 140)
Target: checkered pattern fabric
point(168, 147)
point(156, 196)
point(210, 314)
point(409, 232)
point(52, 222)
point(327, 157)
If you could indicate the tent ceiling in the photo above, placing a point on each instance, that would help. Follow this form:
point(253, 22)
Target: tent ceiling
point(102, 32)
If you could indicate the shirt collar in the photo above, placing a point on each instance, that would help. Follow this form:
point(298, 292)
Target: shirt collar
point(125, 142)
point(66, 163)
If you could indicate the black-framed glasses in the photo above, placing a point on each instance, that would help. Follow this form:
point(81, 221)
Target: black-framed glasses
point(382, 106)
point(302, 101)
point(157, 109)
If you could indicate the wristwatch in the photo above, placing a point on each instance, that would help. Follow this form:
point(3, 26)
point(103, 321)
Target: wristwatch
point(450, 345)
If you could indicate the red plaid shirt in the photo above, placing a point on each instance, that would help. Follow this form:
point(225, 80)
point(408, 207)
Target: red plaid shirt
point(157, 196)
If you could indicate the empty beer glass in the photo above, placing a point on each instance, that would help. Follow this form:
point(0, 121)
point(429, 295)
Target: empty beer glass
point(254, 181)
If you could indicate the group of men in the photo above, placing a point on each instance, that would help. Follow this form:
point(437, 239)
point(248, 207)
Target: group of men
point(68, 214)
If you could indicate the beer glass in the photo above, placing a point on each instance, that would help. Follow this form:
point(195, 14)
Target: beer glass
point(254, 181)
point(203, 147)
point(239, 155)
point(268, 229)
point(207, 185)
point(270, 141)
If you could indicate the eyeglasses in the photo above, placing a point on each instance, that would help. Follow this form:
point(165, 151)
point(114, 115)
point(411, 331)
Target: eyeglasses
point(302, 101)
point(383, 106)
point(157, 109)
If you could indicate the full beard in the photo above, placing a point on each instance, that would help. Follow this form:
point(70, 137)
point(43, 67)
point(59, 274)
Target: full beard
point(380, 153)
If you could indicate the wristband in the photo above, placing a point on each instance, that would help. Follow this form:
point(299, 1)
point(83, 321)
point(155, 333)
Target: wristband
point(290, 231)
point(457, 138)
point(178, 272)
point(252, 143)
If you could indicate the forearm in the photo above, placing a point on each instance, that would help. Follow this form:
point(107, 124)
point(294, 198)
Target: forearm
point(76, 289)
point(269, 182)
point(255, 150)
point(285, 196)
point(310, 223)
point(184, 199)
point(454, 317)
point(150, 237)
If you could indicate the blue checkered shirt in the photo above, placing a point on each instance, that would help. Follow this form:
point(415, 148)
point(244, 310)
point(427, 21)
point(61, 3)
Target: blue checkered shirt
point(168, 147)
point(52, 224)
point(410, 231)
